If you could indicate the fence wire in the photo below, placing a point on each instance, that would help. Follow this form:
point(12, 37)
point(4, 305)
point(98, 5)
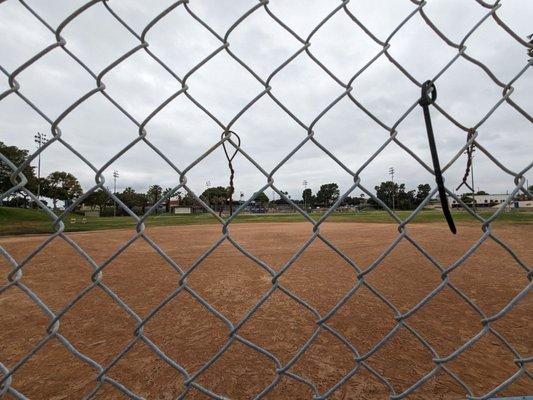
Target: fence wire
point(191, 378)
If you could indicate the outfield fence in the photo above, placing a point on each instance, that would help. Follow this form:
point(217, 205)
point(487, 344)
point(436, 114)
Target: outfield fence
point(231, 143)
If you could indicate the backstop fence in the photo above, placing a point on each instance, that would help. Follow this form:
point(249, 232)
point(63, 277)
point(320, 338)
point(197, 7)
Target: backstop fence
point(229, 140)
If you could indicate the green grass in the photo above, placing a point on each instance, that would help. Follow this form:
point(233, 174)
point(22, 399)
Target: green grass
point(14, 221)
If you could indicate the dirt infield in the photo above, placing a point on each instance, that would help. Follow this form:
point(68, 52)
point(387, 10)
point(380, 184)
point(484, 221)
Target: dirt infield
point(229, 281)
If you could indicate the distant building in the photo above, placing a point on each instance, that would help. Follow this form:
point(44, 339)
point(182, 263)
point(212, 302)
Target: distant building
point(84, 207)
point(181, 210)
point(482, 200)
point(176, 206)
point(524, 204)
point(173, 202)
point(89, 211)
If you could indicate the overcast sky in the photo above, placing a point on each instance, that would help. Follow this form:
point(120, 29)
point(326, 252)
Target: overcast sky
point(183, 132)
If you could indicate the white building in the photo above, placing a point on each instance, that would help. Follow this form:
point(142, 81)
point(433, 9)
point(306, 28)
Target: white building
point(180, 210)
point(482, 200)
point(528, 204)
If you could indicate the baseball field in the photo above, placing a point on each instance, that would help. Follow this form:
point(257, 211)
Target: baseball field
point(363, 344)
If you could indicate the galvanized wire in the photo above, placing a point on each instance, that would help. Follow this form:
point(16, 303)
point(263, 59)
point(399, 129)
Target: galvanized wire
point(191, 378)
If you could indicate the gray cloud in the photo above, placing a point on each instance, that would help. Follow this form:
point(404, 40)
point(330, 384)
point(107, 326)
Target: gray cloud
point(183, 132)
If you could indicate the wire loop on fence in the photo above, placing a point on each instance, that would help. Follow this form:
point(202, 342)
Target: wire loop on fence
point(231, 187)
point(469, 155)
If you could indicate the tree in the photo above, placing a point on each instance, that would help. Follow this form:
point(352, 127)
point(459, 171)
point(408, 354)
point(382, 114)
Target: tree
point(386, 191)
point(61, 185)
point(482, 192)
point(142, 200)
point(98, 198)
point(423, 191)
point(406, 199)
point(188, 200)
point(16, 156)
point(281, 200)
point(128, 197)
point(154, 193)
point(389, 191)
point(262, 199)
point(308, 198)
point(352, 201)
point(167, 201)
point(216, 197)
point(327, 194)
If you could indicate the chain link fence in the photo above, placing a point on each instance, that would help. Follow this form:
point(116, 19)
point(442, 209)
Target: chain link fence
point(8, 384)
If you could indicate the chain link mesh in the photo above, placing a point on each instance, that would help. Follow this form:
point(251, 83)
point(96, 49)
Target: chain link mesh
point(7, 385)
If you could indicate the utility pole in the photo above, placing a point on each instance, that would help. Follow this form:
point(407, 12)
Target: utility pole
point(472, 177)
point(304, 183)
point(115, 176)
point(208, 185)
point(391, 173)
point(40, 139)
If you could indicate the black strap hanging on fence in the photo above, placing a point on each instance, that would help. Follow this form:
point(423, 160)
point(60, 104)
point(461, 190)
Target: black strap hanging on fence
point(425, 101)
point(230, 166)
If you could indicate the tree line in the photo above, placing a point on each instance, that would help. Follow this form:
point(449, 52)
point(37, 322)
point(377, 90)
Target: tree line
point(216, 197)
point(64, 186)
point(57, 186)
point(388, 192)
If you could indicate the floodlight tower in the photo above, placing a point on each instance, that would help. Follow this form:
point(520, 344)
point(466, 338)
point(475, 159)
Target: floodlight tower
point(304, 183)
point(472, 177)
point(115, 176)
point(40, 139)
point(208, 185)
point(391, 173)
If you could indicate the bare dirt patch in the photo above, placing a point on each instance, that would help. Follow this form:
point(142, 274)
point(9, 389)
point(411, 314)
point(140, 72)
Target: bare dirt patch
point(232, 283)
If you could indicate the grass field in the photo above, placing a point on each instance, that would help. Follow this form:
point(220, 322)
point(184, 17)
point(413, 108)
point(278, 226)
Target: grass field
point(190, 335)
point(22, 221)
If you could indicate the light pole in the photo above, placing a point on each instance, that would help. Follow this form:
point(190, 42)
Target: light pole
point(115, 176)
point(208, 185)
point(40, 139)
point(472, 176)
point(304, 183)
point(289, 196)
point(391, 173)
